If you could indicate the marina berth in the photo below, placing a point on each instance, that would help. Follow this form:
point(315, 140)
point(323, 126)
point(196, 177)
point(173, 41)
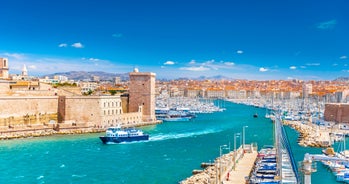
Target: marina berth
point(176, 114)
point(190, 105)
point(265, 167)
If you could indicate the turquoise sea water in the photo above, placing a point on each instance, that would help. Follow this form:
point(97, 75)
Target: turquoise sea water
point(173, 151)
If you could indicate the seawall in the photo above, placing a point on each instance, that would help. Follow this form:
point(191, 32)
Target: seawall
point(54, 129)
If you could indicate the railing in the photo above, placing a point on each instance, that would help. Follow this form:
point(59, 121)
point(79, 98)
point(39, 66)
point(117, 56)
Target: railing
point(285, 150)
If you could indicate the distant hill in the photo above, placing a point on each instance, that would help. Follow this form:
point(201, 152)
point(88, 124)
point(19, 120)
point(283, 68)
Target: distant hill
point(216, 77)
point(344, 79)
point(104, 76)
point(201, 78)
point(83, 75)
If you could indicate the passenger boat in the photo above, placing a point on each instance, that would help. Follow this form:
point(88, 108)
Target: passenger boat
point(118, 135)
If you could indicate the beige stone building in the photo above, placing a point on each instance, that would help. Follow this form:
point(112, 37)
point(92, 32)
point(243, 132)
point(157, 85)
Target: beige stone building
point(307, 90)
point(192, 92)
point(236, 94)
point(24, 85)
point(95, 111)
point(25, 107)
point(4, 68)
point(215, 93)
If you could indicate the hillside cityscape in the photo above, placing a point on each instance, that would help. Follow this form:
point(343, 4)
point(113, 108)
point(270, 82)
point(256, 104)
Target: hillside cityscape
point(43, 106)
point(186, 92)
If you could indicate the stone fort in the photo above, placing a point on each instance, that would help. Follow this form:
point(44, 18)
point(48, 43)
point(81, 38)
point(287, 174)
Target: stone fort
point(43, 109)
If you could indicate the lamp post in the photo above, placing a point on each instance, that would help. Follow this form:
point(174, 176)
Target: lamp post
point(243, 137)
point(220, 162)
point(235, 135)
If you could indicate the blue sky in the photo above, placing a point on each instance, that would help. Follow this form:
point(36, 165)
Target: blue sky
point(243, 39)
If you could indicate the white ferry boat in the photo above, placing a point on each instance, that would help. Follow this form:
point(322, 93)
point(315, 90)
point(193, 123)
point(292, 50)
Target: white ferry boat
point(117, 135)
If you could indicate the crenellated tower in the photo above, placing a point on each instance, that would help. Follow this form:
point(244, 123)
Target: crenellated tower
point(142, 94)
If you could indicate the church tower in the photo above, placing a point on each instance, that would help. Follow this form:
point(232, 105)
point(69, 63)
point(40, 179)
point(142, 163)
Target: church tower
point(24, 71)
point(4, 68)
point(142, 94)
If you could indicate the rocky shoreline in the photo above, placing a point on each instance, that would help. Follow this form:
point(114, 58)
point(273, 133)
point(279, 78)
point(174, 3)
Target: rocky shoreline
point(217, 171)
point(40, 130)
point(310, 135)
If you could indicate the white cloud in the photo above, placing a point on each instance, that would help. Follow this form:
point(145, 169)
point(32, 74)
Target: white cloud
point(209, 62)
point(303, 67)
point(334, 64)
point(208, 65)
point(327, 25)
point(63, 45)
point(93, 59)
point(41, 65)
point(262, 69)
point(169, 63)
point(195, 69)
point(77, 45)
point(343, 57)
point(14, 56)
point(293, 67)
point(239, 52)
point(313, 64)
point(229, 63)
point(32, 67)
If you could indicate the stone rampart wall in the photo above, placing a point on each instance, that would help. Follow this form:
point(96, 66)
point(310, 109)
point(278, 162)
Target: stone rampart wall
point(83, 109)
point(27, 111)
point(23, 116)
point(21, 106)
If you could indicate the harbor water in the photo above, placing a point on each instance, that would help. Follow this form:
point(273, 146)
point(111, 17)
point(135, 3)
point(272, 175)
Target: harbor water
point(173, 151)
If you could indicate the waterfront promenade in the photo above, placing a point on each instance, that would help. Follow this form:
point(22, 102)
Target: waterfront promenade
point(242, 170)
point(238, 164)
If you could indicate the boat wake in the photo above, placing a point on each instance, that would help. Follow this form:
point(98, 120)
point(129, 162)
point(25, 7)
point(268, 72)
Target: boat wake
point(161, 137)
point(40, 177)
point(78, 176)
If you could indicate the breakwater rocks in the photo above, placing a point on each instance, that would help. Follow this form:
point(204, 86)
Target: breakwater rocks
point(216, 172)
point(310, 135)
point(16, 132)
point(42, 132)
point(206, 176)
